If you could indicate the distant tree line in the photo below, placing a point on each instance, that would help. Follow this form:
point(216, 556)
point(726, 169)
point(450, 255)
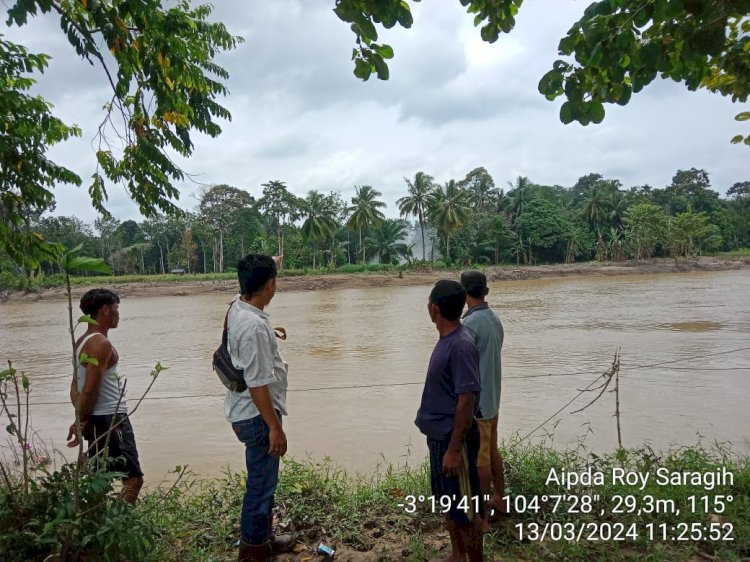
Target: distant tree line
point(471, 220)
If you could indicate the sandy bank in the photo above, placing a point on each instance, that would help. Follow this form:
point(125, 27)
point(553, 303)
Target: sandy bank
point(426, 277)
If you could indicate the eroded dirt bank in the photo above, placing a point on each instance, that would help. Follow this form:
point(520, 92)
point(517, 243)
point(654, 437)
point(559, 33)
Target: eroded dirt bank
point(393, 279)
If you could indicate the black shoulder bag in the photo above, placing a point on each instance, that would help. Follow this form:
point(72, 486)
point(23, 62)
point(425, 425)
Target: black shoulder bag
point(231, 377)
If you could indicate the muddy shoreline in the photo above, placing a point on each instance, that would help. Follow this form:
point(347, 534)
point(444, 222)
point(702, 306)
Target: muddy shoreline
point(392, 279)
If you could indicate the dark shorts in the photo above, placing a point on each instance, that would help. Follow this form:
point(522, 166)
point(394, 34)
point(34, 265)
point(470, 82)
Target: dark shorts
point(463, 490)
point(121, 449)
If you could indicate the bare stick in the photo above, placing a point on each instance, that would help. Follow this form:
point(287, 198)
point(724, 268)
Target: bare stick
point(617, 397)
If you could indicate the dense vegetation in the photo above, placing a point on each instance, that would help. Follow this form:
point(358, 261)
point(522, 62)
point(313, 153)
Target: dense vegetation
point(466, 221)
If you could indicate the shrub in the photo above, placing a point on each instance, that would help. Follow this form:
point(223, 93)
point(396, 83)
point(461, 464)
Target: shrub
point(351, 268)
point(55, 280)
point(292, 272)
point(43, 521)
point(379, 267)
point(11, 282)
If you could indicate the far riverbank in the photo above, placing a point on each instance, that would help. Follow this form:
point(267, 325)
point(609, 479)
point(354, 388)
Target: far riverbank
point(424, 276)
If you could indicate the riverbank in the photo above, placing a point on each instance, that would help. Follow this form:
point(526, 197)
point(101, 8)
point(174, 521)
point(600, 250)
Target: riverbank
point(368, 521)
point(178, 286)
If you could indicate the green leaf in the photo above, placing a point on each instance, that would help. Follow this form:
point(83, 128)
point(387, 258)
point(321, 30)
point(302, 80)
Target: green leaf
point(507, 24)
point(735, 140)
point(566, 113)
point(25, 382)
point(744, 116)
point(7, 374)
point(490, 33)
point(596, 111)
point(385, 51)
point(551, 82)
point(83, 263)
point(625, 96)
point(596, 55)
point(362, 69)
point(85, 359)
point(381, 67)
point(87, 320)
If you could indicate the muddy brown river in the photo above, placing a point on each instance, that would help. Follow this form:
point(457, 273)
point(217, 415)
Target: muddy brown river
point(357, 359)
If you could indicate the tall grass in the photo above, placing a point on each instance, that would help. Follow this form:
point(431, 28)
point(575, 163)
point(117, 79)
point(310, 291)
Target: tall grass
point(320, 501)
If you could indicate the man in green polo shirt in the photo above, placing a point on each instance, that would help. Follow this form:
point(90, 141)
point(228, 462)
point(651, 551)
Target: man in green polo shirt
point(485, 326)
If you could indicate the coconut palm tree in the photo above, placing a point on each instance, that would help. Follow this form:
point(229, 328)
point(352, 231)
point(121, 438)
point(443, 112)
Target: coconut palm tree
point(519, 194)
point(620, 203)
point(450, 210)
point(320, 222)
point(595, 209)
point(595, 206)
point(418, 201)
point(365, 212)
point(387, 240)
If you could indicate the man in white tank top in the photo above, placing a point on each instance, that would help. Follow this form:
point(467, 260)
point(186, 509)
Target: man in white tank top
point(100, 396)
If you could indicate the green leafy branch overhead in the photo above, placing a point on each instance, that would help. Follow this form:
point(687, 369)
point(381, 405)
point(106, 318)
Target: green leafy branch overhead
point(165, 86)
point(495, 16)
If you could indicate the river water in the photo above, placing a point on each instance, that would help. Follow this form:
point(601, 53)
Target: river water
point(560, 334)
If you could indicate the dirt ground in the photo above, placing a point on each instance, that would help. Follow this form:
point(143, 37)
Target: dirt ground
point(393, 279)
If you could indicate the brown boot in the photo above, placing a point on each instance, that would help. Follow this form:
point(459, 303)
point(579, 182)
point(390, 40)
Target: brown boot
point(279, 543)
point(254, 552)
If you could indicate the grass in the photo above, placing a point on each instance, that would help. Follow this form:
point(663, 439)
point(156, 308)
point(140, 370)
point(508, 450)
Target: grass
point(198, 520)
point(56, 280)
point(741, 252)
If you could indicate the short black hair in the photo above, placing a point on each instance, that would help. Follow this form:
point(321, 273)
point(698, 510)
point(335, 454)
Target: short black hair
point(94, 299)
point(253, 271)
point(475, 283)
point(450, 298)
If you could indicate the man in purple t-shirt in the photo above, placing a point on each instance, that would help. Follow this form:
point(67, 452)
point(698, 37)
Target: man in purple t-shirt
point(446, 417)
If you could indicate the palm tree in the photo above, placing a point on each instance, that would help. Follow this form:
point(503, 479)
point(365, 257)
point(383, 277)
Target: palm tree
point(418, 201)
point(365, 212)
point(620, 203)
point(387, 240)
point(519, 195)
point(596, 203)
point(320, 222)
point(449, 211)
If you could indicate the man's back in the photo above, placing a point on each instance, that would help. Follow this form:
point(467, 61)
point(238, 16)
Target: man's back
point(487, 329)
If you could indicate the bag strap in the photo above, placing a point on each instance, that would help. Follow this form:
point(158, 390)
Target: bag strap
point(224, 333)
point(278, 332)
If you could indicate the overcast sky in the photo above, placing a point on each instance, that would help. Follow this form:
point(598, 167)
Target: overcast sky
point(453, 103)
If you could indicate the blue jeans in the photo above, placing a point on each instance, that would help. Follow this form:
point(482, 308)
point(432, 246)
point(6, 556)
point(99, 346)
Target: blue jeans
point(262, 479)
